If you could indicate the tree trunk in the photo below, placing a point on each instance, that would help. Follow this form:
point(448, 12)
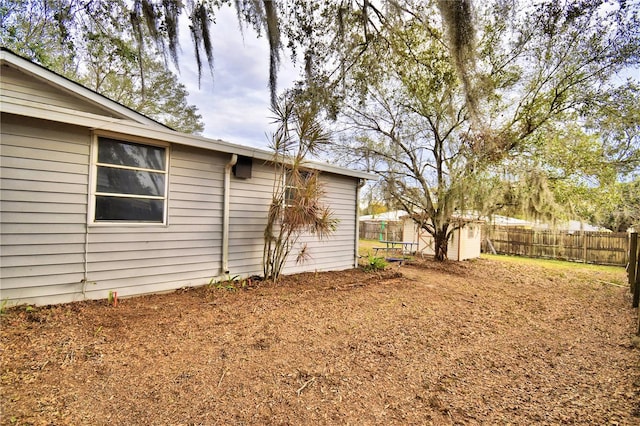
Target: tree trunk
point(441, 244)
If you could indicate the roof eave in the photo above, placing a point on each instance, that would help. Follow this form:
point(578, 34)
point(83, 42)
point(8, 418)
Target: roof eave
point(98, 123)
point(70, 86)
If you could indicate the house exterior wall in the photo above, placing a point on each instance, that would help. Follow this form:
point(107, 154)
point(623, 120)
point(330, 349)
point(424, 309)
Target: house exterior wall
point(17, 85)
point(136, 259)
point(250, 200)
point(338, 251)
point(249, 207)
point(43, 209)
point(48, 249)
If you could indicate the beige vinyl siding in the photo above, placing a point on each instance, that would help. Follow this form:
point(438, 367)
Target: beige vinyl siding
point(18, 85)
point(250, 201)
point(42, 209)
point(469, 247)
point(44, 191)
point(338, 251)
point(426, 243)
point(134, 259)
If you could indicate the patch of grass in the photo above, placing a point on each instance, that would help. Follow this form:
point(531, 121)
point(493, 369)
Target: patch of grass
point(552, 263)
point(230, 283)
point(365, 247)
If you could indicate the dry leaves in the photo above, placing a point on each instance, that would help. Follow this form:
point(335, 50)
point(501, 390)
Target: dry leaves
point(460, 343)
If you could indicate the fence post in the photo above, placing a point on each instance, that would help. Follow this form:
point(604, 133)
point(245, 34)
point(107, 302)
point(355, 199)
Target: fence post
point(636, 290)
point(636, 286)
point(584, 247)
point(631, 269)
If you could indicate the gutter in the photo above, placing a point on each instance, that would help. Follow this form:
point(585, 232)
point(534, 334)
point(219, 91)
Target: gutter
point(225, 214)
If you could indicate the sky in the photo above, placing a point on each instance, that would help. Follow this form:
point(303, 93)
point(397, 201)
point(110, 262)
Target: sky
point(234, 104)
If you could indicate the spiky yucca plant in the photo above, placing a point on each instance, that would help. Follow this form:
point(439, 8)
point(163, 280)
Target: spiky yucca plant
point(296, 205)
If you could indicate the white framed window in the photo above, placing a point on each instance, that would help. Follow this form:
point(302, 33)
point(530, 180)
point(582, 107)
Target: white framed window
point(293, 186)
point(129, 182)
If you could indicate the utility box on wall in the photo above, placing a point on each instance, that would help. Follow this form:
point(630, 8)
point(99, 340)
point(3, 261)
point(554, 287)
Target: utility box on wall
point(242, 168)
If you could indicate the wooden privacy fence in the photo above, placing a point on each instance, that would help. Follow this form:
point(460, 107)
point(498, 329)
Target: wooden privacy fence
point(602, 248)
point(382, 231)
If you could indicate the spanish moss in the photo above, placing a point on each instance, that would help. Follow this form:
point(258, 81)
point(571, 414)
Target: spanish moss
point(458, 19)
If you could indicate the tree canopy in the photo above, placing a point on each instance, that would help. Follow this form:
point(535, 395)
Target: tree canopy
point(90, 43)
point(526, 131)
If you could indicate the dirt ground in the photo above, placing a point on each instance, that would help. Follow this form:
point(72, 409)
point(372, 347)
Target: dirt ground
point(482, 342)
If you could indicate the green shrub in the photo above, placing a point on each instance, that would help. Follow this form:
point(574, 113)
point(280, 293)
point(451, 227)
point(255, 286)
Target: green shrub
point(375, 263)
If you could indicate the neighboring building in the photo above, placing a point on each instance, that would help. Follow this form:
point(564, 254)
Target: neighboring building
point(97, 198)
point(569, 226)
point(464, 242)
point(391, 216)
point(497, 220)
point(579, 226)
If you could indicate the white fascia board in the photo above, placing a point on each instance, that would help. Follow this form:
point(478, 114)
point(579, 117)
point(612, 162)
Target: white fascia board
point(100, 123)
point(74, 88)
point(325, 167)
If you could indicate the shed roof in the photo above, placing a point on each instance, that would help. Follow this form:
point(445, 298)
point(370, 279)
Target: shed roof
point(126, 121)
point(394, 215)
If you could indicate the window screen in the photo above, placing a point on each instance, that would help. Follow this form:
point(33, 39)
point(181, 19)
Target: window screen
point(130, 182)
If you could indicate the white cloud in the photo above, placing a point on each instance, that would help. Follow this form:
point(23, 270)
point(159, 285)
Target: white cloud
point(235, 103)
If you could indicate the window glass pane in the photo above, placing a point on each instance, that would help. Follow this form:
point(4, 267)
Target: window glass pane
point(124, 181)
point(290, 194)
point(130, 154)
point(129, 209)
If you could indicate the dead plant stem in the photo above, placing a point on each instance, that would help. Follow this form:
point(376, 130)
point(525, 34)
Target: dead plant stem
point(299, 391)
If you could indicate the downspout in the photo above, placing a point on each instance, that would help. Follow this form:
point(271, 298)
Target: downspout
point(225, 213)
point(90, 184)
point(360, 184)
point(85, 274)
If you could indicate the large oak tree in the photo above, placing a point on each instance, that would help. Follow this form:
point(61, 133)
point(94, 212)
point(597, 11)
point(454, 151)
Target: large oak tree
point(447, 143)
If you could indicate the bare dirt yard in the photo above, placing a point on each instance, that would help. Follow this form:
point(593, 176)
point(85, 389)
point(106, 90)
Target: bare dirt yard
point(482, 342)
